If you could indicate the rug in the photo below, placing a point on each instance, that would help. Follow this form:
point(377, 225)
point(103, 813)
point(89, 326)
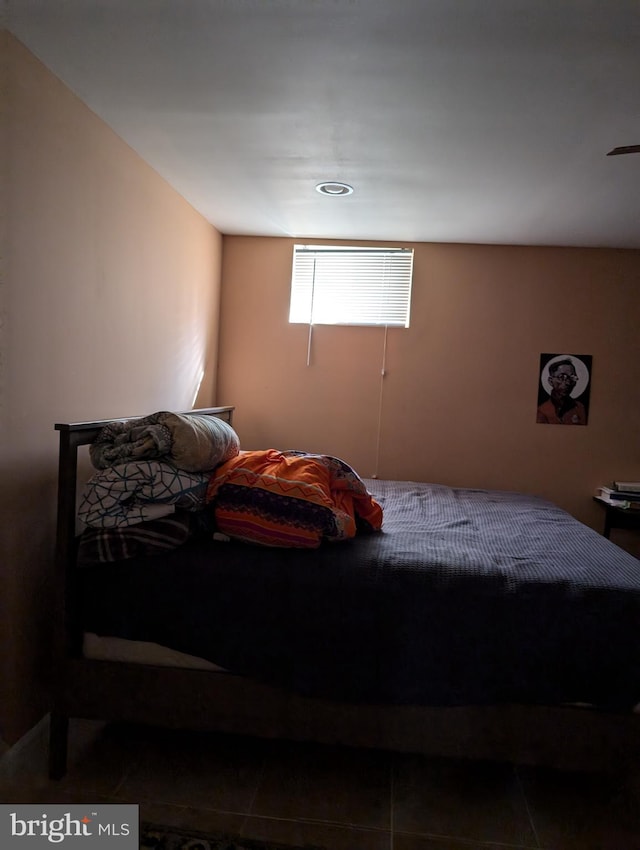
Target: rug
point(156, 837)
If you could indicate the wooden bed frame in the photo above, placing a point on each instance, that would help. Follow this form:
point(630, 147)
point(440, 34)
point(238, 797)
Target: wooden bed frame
point(218, 701)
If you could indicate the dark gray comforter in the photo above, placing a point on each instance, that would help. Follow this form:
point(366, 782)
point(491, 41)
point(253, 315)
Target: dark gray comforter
point(465, 597)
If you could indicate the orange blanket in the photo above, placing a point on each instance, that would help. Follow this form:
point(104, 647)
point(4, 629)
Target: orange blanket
point(291, 499)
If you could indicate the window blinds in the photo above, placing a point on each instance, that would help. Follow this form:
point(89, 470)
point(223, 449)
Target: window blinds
point(351, 286)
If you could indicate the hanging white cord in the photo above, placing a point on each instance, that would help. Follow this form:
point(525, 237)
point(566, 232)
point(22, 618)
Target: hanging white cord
point(383, 372)
point(313, 292)
point(309, 344)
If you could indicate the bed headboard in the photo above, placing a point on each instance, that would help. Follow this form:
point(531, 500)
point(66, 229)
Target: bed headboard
point(72, 436)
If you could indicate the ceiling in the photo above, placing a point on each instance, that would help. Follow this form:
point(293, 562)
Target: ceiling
point(481, 121)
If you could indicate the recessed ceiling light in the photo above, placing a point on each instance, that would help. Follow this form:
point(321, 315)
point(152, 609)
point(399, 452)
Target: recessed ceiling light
point(334, 188)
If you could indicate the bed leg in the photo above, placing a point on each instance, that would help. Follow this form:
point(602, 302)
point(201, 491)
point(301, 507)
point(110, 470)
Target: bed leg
point(58, 743)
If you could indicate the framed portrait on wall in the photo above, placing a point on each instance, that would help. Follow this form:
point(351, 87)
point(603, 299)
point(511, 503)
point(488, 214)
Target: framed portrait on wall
point(563, 389)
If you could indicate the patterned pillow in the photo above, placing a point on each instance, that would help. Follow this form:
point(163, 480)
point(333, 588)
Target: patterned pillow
point(139, 491)
point(194, 442)
point(102, 545)
point(290, 499)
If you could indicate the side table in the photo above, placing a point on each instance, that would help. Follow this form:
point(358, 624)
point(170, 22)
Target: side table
point(615, 517)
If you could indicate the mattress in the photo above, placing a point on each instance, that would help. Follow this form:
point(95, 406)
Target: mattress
point(465, 597)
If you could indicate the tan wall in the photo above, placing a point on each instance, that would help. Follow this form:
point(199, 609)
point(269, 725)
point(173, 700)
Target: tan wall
point(460, 394)
point(110, 308)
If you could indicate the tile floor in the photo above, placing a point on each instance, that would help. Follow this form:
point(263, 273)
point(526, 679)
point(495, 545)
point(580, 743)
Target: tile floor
point(333, 797)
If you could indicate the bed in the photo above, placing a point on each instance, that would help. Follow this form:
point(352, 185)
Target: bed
point(475, 623)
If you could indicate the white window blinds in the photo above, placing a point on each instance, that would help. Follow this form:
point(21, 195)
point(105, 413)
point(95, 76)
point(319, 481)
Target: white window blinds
point(351, 286)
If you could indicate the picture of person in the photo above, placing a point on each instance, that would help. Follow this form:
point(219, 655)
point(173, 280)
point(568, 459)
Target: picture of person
point(563, 394)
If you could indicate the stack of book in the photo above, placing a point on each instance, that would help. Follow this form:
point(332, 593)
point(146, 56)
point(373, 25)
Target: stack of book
point(622, 494)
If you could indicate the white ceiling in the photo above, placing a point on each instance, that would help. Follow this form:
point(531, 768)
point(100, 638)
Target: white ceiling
point(454, 120)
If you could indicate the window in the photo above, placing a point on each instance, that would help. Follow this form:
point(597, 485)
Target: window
point(351, 286)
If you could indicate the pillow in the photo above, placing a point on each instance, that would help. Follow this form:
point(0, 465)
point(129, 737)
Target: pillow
point(199, 442)
point(138, 491)
point(193, 442)
point(101, 545)
point(290, 499)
